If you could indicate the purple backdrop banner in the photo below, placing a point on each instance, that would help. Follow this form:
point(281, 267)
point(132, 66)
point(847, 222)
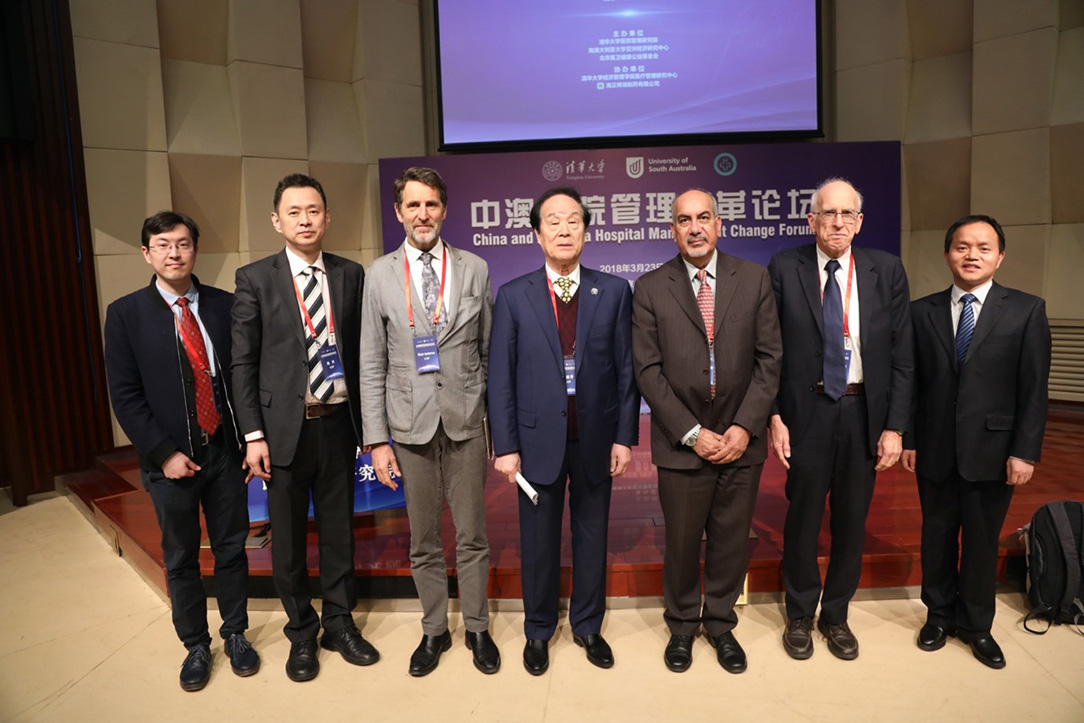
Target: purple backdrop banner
point(762, 193)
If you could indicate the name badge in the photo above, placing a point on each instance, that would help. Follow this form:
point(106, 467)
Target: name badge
point(426, 359)
point(847, 360)
point(570, 375)
point(329, 360)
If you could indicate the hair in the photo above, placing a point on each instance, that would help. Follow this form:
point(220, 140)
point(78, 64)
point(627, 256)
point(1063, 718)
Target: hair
point(165, 221)
point(814, 201)
point(706, 192)
point(425, 176)
point(536, 209)
point(976, 218)
point(298, 180)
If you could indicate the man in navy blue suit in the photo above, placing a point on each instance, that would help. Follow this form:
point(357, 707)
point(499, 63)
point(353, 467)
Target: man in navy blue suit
point(563, 405)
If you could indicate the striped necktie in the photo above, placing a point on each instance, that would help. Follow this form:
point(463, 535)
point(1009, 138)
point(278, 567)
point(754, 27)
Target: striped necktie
point(314, 302)
point(706, 301)
point(965, 329)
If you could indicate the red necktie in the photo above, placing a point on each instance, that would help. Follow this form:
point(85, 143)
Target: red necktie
point(706, 301)
point(206, 413)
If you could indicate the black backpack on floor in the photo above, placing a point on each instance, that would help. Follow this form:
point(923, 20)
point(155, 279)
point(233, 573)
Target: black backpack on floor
point(1054, 542)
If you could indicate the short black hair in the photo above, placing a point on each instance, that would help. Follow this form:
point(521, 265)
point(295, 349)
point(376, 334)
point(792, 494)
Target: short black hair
point(425, 176)
point(298, 180)
point(536, 209)
point(976, 218)
point(165, 221)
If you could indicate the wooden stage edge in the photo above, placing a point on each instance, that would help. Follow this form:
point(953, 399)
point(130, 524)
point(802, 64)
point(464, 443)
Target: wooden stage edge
point(113, 500)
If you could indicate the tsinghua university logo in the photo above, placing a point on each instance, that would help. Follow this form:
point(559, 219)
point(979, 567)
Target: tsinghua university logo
point(552, 170)
point(634, 166)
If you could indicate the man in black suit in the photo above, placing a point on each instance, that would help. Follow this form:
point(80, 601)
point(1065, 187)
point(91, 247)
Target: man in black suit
point(982, 361)
point(844, 399)
point(167, 347)
point(296, 331)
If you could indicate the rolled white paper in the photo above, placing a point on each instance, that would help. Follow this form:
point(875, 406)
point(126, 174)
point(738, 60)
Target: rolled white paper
point(524, 485)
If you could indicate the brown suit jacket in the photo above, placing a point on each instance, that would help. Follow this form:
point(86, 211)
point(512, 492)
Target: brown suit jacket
point(670, 354)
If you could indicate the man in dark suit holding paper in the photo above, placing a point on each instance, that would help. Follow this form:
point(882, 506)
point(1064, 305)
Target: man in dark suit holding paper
point(563, 406)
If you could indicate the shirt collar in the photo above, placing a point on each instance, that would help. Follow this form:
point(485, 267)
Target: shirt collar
point(979, 293)
point(823, 258)
point(414, 255)
point(692, 271)
point(192, 295)
point(574, 275)
point(298, 264)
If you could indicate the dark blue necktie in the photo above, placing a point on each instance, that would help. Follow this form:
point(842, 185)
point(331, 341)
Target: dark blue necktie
point(835, 366)
point(965, 329)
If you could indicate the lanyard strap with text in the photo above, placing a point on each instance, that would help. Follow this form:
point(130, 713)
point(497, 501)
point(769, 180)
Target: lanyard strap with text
point(410, 282)
point(190, 347)
point(305, 311)
point(846, 300)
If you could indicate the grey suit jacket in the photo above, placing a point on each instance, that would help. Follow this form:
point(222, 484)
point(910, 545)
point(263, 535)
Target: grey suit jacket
point(396, 400)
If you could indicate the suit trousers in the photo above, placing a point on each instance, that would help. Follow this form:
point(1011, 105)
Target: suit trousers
point(963, 596)
point(324, 465)
point(832, 461)
point(540, 545)
point(443, 467)
point(718, 500)
point(220, 488)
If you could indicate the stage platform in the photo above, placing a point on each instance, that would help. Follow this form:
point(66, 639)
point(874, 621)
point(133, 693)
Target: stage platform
point(113, 499)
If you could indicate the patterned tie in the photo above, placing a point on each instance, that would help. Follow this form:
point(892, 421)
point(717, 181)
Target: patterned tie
point(431, 290)
point(706, 301)
point(835, 365)
point(314, 301)
point(965, 328)
point(196, 351)
point(565, 285)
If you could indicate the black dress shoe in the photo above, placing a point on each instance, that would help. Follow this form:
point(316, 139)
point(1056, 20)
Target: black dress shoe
point(487, 658)
point(427, 654)
point(841, 641)
point(302, 664)
point(798, 638)
point(985, 649)
point(244, 659)
point(536, 656)
point(598, 650)
point(355, 649)
point(196, 668)
point(730, 654)
point(679, 653)
point(932, 637)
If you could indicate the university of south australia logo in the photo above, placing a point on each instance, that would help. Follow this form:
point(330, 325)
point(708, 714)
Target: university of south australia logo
point(634, 166)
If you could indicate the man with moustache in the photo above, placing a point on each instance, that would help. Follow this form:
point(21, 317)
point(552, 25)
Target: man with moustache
point(844, 399)
point(296, 328)
point(982, 362)
point(707, 355)
point(563, 406)
point(426, 318)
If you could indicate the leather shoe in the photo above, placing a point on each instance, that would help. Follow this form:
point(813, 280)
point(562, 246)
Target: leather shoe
point(196, 668)
point(985, 649)
point(730, 653)
point(841, 641)
point(302, 664)
point(244, 659)
point(487, 658)
point(536, 656)
point(679, 653)
point(598, 650)
point(798, 638)
point(427, 654)
point(355, 649)
point(932, 637)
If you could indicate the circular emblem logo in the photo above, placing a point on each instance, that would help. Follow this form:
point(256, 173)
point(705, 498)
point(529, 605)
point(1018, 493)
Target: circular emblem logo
point(552, 170)
point(725, 164)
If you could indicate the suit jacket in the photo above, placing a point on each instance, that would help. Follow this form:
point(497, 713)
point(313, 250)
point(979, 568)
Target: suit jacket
point(885, 328)
point(150, 379)
point(270, 356)
point(671, 351)
point(528, 404)
point(996, 407)
point(395, 398)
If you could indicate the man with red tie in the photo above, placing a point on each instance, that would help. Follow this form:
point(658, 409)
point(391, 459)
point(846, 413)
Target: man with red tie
point(167, 349)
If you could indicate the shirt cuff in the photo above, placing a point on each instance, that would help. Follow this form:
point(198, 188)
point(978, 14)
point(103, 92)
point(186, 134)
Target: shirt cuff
point(686, 440)
point(254, 436)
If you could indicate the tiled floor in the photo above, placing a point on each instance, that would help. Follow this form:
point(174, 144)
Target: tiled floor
point(83, 638)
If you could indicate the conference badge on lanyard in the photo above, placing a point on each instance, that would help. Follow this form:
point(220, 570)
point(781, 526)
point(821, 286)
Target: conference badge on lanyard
point(426, 359)
point(329, 359)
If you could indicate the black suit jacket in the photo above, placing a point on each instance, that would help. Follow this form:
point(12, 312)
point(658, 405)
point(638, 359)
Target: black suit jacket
point(270, 357)
point(886, 338)
point(996, 407)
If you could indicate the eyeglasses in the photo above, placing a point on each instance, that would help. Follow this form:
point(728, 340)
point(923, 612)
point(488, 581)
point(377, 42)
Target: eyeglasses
point(849, 216)
point(163, 248)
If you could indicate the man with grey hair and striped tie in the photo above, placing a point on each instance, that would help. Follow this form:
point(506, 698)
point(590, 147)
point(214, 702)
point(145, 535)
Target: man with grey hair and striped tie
point(296, 336)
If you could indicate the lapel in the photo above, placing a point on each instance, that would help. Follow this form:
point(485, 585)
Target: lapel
point(866, 277)
point(725, 286)
point(810, 280)
point(682, 291)
point(459, 273)
point(988, 317)
point(590, 297)
point(538, 298)
point(283, 280)
point(335, 284)
point(940, 315)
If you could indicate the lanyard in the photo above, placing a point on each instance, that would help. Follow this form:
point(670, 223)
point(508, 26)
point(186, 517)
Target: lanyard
point(553, 302)
point(305, 311)
point(846, 300)
point(410, 282)
point(189, 347)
